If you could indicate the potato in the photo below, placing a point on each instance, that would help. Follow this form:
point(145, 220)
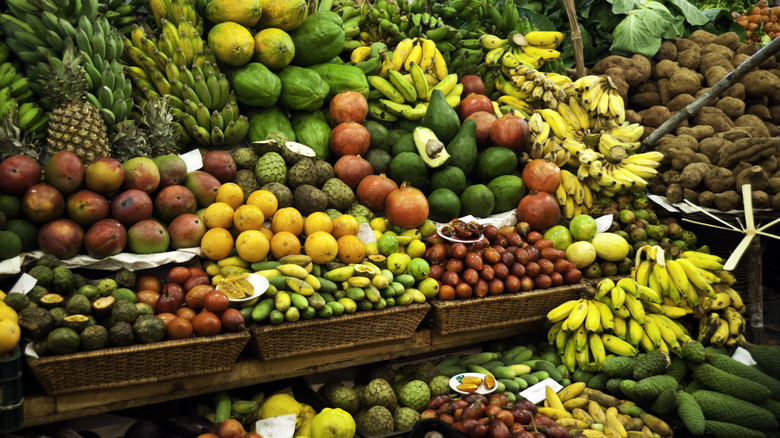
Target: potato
point(702, 37)
point(774, 71)
point(773, 130)
point(690, 58)
point(706, 199)
point(645, 100)
point(712, 59)
point(773, 186)
point(668, 50)
point(752, 124)
point(665, 69)
point(761, 199)
point(761, 111)
point(755, 176)
point(731, 106)
point(681, 158)
point(733, 134)
point(727, 39)
point(693, 174)
point(742, 165)
point(713, 117)
point(684, 81)
point(769, 164)
point(736, 91)
point(658, 189)
point(674, 193)
point(702, 91)
point(646, 133)
point(769, 63)
point(774, 203)
point(719, 179)
point(716, 48)
point(679, 102)
point(757, 100)
point(760, 83)
point(645, 67)
point(738, 59)
point(701, 158)
point(663, 90)
point(636, 70)
point(647, 87)
point(671, 177)
point(699, 132)
point(727, 201)
point(710, 146)
point(690, 195)
point(774, 111)
point(655, 116)
point(687, 141)
point(633, 117)
point(747, 49)
point(715, 74)
point(685, 44)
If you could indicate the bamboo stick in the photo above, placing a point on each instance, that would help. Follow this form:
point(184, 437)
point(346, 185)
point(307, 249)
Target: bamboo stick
point(576, 38)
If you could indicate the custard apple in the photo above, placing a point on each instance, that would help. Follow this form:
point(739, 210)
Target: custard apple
point(358, 209)
point(400, 381)
point(333, 213)
point(340, 195)
point(381, 372)
point(377, 421)
point(379, 392)
point(284, 196)
point(302, 172)
point(426, 371)
point(247, 181)
point(415, 395)
point(405, 418)
point(328, 388)
point(271, 168)
point(293, 152)
point(309, 199)
point(245, 158)
point(345, 398)
point(324, 172)
point(439, 385)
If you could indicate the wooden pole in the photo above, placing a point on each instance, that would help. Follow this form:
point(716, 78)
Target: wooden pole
point(576, 38)
point(755, 298)
point(727, 81)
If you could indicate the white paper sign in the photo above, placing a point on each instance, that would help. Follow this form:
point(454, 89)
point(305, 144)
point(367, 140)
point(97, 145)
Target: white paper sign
point(193, 159)
point(603, 223)
point(282, 426)
point(24, 284)
point(366, 234)
point(536, 394)
point(742, 355)
point(662, 201)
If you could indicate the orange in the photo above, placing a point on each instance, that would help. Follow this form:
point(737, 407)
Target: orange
point(285, 243)
point(248, 217)
point(345, 225)
point(317, 221)
point(231, 194)
point(267, 233)
point(264, 199)
point(216, 243)
point(218, 214)
point(351, 249)
point(321, 247)
point(9, 336)
point(252, 246)
point(287, 219)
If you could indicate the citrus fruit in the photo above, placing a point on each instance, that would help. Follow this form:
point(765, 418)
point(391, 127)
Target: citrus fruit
point(351, 249)
point(415, 248)
point(248, 217)
point(8, 314)
point(285, 243)
point(582, 227)
point(317, 221)
point(582, 253)
point(231, 194)
point(283, 14)
point(216, 243)
point(231, 43)
point(345, 225)
point(267, 233)
point(252, 246)
point(265, 200)
point(378, 224)
point(388, 243)
point(372, 249)
point(218, 214)
point(287, 219)
point(274, 48)
point(321, 247)
point(560, 236)
point(610, 246)
point(244, 12)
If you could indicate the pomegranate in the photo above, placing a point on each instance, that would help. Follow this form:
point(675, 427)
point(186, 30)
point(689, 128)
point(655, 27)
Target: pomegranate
point(473, 103)
point(407, 207)
point(511, 132)
point(373, 190)
point(352, 169)
point(542, 175)
point(471, 84)
point(539, 209)
point(485, 120)
point(348, 106)
point(349, 138)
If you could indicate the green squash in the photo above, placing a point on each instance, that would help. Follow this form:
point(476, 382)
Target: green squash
point(319, 39)
point(302, 89)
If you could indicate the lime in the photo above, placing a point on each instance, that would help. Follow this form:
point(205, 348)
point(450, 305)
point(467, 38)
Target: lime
point(388, 243)
point(560, 236)
point(582, 253)
point(582, 227)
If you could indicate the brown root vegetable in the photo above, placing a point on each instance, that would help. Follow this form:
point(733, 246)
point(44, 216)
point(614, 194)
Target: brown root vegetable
point(733, 135)
point(738, 59)
point(769, 164)
point(774, 111)
point(671, 177)
point(679, 102)
point(646, 132)
point(742, 165)
point(702, 91)
point(658, 189)
point(717, 48)
point(773, 130)
point(761, 111)
point(674, 193)
point(706, 199)
point(647, 87)
point(684, 81)
point(760, 199)
point(690, 58)
point(719, 179)
point(773, 186)
point(655, 116)
point(687, 141)
point(769, 63)
point(633, 117)
point(727, 201)
point(727, 39)
point(693, 174)
point(645, 100)
point(731, 106)
point(681, 158)
point(713, 117)
point(752, 124)
point(737, 91)
point(701, 158)
point(619, 79)
point(699, 132)
point(668, 50)
point(710, 147)
point(747, 49)
point(747, 149)
point(715, 74)
point(690, 195)
point(663, 90)
point(702, 37)
point(712, 59)
point(775, 202)
point(755, 176)
point(685, 44)
point(665, 69)
point(636, 70)
point(760, 83)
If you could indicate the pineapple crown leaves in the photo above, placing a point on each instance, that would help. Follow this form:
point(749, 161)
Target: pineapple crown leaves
point(65, 78)
point(159, 126)
point(14, 140)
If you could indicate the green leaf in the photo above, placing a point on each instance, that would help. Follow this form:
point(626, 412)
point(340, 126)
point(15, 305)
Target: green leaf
point(541, 22)
point(623, 6)
point(603, 17)
point(692, 14)
point(641, 31)
point(675, 30)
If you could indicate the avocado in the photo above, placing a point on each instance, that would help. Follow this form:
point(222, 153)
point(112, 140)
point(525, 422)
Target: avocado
point(148, 329)
point(449, 177)
point(379, 159)
point(477, 200)
point(496, 161)
point(43, 274)
point(94, 337)
point(125, 278)
point(124, 310)
point(463, 148)
point(507, 191)
point(379, 135)
point(63, 282)
point(405, 143)
point(443, 204)
point(121, 334)
point(408, 166)
point(63, 340)
point(78, 305)
point(431, 150)
point(441, 118)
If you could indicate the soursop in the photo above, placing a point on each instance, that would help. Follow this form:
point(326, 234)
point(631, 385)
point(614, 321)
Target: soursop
point(324, 172)
point(379, 392)
point(247, 180)
point(340, 195)
point(345, 398)
point(415, 395)
point(292, 152)
point(328, 388)
point(381, 372)
point(426, 371)
point(405, 418)
point(333, 213)
point(439, 385)
point(303, 172)
point(284, 197)
point(245, 158)
point(309, 199)
point(361, 390)
point(377, 421)
point(358, 209)
point(271, 168)
point(400, 381)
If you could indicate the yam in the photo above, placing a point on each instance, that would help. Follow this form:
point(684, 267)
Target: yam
point(775, 202)
point(760, 83)
point(747, 49)
point(738, 59)
point(645, 100)
point(761, 199)
point(693, 174)
point(712, 59)
point(658, 189)
point(636, 70)
point(665, 69)
point(769, 164)
point(668, 50)
point(719, 179)
point(715, 74)
point(731, 106)
point(645, 67)
point(646, 132)
point(687, 141)
point(761, 111)
point(773, 130)
point(736, 91)
point(728, 39)
point(727, 201)
point(769, 63)
point(663, 90)
point(774, 111)
point(690, 195)
point(655, 116)
point(680, 158)
point(755, 176)
point(701, 158)
point(710, 146)
point(702, 91)
point(713, 117)
point(774, 71)
point(633, 117)
point(684, 81)
point(647, 87)
point(679, 102)
point(752, 124)
point(619, 79)
point(671, 177)
point(747, 149)
point(717, 48)
point(733, 134)
point(699, 132)
point(674, 193)
point(742, 165)
point(685, 44)
point(702, 37)
point(706, 199)
point(773, 186)
point(690, 58)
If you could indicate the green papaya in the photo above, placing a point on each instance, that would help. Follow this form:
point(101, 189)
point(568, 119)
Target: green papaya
point(255, 85)
point(312, 129)
point(302, 89)
point(342, 77)
point(261, 122)
point(319, 39)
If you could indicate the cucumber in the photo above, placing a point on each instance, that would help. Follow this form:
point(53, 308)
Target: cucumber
point(479, 369)
point(493, 364)
point(222, 406)
point(477, 359)
point(500, 386)
point(543, 365)
point(541, 375)
point(509, 384)
point(530, 379)
point(262, 266)
point(450, 370)
point(521, 382)
point(503, 372)
point(262, 310)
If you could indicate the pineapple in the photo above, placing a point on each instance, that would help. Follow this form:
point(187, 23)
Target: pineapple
point(75, 123)
point(129, 141)
point(160, 127)
point(15, 141)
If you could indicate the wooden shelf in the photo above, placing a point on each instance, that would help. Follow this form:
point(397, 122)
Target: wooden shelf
point(42, 409)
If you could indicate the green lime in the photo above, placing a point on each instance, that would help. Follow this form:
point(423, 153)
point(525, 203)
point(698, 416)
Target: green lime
point(388, 243)
point(560, 236)
point(582, 227)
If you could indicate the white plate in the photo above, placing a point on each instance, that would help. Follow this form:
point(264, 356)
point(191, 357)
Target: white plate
point(457, 240)
point(455, 381)
point(260, 285)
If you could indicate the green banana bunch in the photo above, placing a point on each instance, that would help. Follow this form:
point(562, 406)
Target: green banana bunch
point(121, 14)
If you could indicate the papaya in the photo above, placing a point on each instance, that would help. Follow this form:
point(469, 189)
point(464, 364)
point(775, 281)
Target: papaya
point(319, 39)
point(312, 129)
point(262, 122)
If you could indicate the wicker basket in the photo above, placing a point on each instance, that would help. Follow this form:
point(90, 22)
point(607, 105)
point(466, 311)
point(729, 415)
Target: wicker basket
point(495, 311)
point(138, 364)
point(345, 331)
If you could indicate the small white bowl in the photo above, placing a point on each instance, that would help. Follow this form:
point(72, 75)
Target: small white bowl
point(456, 380)
point(258, 282)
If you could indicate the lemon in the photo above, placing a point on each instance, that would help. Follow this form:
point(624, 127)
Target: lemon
point(378, 224)
point(415, 248)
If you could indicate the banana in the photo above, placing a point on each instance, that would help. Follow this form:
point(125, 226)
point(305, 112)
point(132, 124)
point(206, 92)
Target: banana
point(386, 88)
point(621, 328)
point(493, 56)
point(618, 346)
point(581, 337)
point(418, 80)
point(401, 51)
point(445, 85)
point(415, 55)
point(553, 332)
point(428, 55)
point(634, 307)
point(722, 301)
point(597, 348)
point(415, 113)
point(606, 317)
point(561, 340)
point(360, 54)
point(716, 260)
point(378, 111)
point(556, 121)
point(582, 356)
point(562, 311)
point(634, 332)
point(490, 42)
point(439, 68)
point(546, 55)
point(569, 356)
point(736, 299)
point(680, 282)
point(696, 276)
point(721, 333)
point(735, 321)
point(577, 315)
point(540, 38)
point(618, 297)
point(407, 90)
point(396, 108)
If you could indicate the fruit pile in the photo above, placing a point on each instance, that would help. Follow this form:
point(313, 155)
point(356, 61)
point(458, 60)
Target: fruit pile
point(9, 327)
point(760, 20)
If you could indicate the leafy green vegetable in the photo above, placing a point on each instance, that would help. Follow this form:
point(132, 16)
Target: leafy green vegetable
point(641, 31)
point(623, 6)
point(692, 14)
